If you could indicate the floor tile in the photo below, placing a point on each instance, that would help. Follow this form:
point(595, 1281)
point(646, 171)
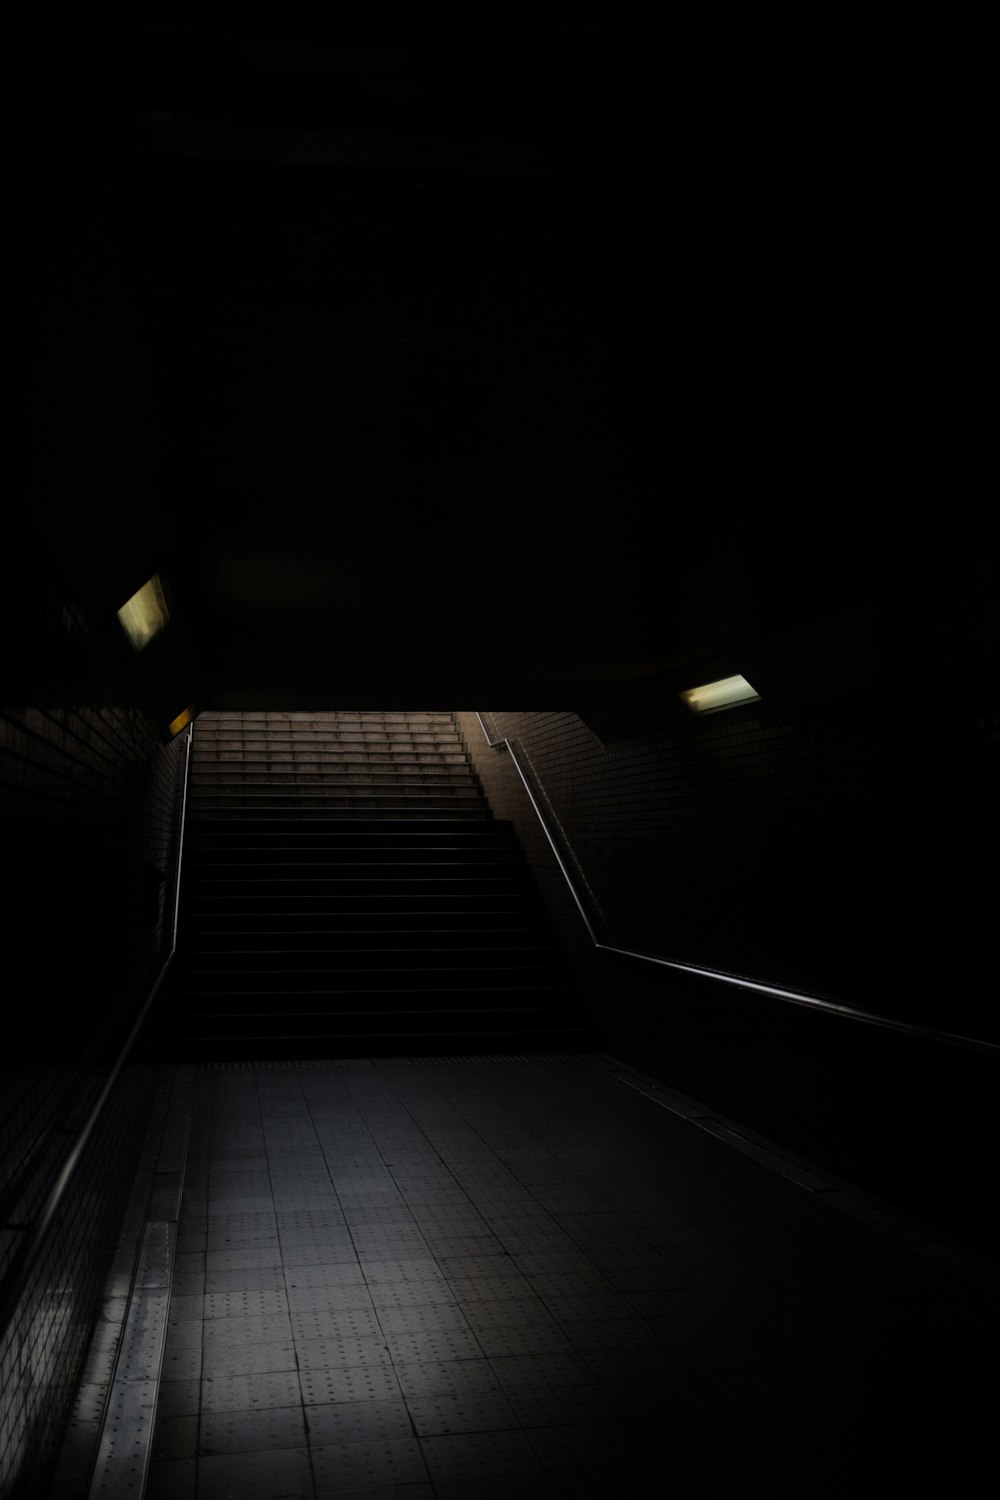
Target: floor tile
point(454, 1377)
point(434, 1344)
point(256, 1303)
point(485, 1411)
point(565, 1405)
point(247, 1329)
point(175, 1480)
point(252, 1391)
point(338, 1468)
point(479, 1455)
point(228, 1359)
point(517, 1371)
point(179, 1398)
point(319, 1323)
point(174, 1438)
point(249, 1431)
point(249, 1279)
point(423, 1318)
point(324, 1300)
point(529, 1338)
point(341, 1350)
point(580, 1447)
point(184, 1309)
point(334, 1424)
point(351, 1383)
point(265, 1475)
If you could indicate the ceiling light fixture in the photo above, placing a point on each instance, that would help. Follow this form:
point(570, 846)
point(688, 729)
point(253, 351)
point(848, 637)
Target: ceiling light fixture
point(145, 614)
point(725, 692)
point(182, 721)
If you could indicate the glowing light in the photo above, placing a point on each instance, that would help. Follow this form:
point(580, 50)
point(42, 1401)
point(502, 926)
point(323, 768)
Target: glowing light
point(145, 614)
point(182, 721)
point(726, 692)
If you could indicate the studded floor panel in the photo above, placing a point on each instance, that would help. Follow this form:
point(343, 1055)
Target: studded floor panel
point(518, 1278)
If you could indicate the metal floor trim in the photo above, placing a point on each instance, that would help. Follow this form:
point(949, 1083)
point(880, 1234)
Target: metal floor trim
point(924, 1239)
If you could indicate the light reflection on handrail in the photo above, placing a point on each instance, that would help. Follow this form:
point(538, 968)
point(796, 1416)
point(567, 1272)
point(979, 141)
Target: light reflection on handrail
point(23, 1263)
point(793, 997)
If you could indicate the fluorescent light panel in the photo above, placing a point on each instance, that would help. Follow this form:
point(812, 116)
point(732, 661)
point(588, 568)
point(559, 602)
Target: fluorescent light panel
point(182, 721)
point(145, 614)
point(726, 692)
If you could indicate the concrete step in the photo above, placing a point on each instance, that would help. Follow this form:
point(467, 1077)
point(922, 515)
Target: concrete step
point(331, 734)
point(422, 761)
point(275, 862)
point(200, 928)
point(323, 782)
point(445, 1038)
point(195, 983)
point(323, 788)
point(353, 951)
point(505, 867)
point(302, 718)
point(370, 1010)
point(408, 903)
point(332, 833)
point(338, 807)
point(349, 886)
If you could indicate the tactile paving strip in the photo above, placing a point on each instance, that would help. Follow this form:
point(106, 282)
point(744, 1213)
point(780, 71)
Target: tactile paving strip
point(123, 1455)
point(124, 1450)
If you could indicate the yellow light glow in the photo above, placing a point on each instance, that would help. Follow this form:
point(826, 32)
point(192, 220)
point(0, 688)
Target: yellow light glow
point(145, 614)
point(182, 721)
point(726, 692)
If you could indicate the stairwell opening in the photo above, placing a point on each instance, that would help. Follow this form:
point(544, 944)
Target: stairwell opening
point(348, 892)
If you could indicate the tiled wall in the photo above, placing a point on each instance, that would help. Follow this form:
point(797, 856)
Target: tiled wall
point(834, 852)
point(508, 800)
point(91, 802)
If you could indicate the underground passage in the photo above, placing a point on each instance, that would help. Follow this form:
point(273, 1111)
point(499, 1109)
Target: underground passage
point(587, 1099)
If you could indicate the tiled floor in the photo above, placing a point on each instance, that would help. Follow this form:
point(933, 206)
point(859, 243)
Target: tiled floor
point(520, 1279)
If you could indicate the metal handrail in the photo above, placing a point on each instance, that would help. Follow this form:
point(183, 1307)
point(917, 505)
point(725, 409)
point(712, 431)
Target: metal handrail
point(180, 843)
point(792, 997)
point(23, 1263)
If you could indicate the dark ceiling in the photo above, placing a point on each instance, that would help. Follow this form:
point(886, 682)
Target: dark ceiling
point(539, 357)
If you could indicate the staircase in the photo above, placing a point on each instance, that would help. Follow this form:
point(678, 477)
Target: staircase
point(346, 892)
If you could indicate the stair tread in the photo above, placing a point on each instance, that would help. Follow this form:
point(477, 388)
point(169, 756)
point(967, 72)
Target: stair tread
point(305, 952)
point(396, 989)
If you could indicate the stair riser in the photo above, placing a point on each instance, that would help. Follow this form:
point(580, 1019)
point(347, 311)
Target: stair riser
point(260, 865)
point(352, 1018)
point(373, 976)
point(333, 771)
point(426, 740)
point(455, 1043)
point(421, 887)
point(328, 795)
point(473, 815)
point(228, 961)
point(360, 908)
point(473, 843)
point(331, 764)
point(339, 806)
point(199, 928)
